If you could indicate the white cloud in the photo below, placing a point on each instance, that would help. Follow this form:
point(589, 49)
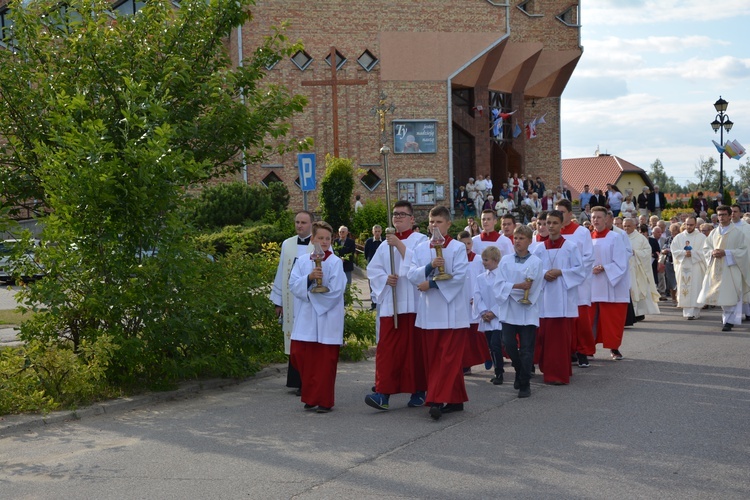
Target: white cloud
point(629, 67)
point(653, 44)
point(617, 12)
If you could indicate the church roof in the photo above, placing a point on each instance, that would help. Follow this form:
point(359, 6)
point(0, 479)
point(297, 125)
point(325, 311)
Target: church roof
point(597, 172)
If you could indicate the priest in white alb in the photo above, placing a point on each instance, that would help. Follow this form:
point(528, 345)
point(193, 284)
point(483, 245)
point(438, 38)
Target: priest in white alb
point(642, 286)
point(728, 271)
point(291, 249)
point(689, 268)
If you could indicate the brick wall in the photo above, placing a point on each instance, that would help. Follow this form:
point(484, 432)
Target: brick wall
point(355, 25)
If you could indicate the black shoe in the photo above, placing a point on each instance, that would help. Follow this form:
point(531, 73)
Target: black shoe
point(452, 407)
point(616, 355)
point(583, 360)
point(727, 327)
point(517, 382)
point(324, 409)
point(373, 389)
point(497, 379)
point(640, 318)
point(574, 357)
point(525, 392)
point(298, 392)
point(435, 412)
point(467, 371)
point(309, 407)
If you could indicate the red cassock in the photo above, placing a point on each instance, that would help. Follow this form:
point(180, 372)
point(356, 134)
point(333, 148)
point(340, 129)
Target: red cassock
point(551, 352)
point(443, 351)
point(399, 359)
point(316, 364)
point(609, 318)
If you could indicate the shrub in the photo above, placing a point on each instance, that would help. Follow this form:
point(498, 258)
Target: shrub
point(233, 203)
point(241, 238)
point(371, 213)
point(45, 376)
point(336, 191)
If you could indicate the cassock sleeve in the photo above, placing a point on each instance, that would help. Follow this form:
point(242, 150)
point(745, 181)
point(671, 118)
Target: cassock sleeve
point(377, 272)
point(420, 258)
point(678, 250)
point(479, 306)
point(298, 278)
point(335, 279)
point(503, 286)
point(618, 268)
point(574, 273)
point(536, 273)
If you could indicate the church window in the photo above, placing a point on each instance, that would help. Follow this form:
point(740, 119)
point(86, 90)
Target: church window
point(270, 178)
point(302, 60)
point(528, 7)
point(569, 17)
point(370, 180)
point(340, 60)
point(367, 60)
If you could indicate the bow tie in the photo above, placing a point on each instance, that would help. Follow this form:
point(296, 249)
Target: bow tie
point(300, 241)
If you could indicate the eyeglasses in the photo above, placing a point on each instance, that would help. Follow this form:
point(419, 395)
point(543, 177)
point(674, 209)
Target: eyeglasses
point(398, 215)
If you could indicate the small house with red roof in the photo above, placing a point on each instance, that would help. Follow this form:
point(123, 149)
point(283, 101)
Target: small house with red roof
point(600, 170)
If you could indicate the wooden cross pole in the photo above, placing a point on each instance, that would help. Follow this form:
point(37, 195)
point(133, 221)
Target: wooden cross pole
point(334, 82)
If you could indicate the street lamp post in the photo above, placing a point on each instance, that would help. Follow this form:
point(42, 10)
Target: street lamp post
point(721, 123)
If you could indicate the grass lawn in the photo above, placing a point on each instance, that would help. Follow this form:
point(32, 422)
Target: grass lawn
point(11, 317)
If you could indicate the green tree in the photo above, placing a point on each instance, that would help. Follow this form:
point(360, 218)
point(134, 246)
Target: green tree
point(336, 191)
point(659, 176)
point(743, 172)
point(707, 175)
point(108, 120)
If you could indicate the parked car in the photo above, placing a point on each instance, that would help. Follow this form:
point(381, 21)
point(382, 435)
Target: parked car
point(10, 261)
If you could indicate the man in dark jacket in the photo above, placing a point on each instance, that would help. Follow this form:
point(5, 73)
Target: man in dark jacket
point(656, 201)
point(599, 199)
point(345, 249)
point(642, 202)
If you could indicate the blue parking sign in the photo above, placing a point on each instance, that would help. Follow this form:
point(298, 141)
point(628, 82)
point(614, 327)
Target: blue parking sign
point(306, 163)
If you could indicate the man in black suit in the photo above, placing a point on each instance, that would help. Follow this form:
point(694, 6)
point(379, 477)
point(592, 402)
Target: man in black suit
point(656, 201)
point(599, 199)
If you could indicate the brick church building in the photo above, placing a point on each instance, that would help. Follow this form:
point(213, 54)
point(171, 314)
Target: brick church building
point(444, 65)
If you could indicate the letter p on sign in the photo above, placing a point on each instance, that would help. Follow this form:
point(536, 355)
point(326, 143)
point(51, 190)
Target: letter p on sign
point(306, 163)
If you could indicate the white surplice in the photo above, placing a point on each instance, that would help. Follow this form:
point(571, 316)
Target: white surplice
point(484, 300)
point(443, 307)
point(319, 317)
point(612, 285)
point(509, 273)
point(727, 278)
point(559, 298)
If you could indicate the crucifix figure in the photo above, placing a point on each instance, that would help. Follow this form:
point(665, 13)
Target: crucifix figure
point(334, 82)
point(381, 109)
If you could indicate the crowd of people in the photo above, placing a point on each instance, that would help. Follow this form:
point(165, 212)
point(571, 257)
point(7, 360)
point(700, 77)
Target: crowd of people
point(542, 294)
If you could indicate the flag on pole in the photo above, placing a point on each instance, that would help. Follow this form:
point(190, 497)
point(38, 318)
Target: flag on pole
point(531, 129)
point(719, 147)
point(517, 131)
point(541, 119)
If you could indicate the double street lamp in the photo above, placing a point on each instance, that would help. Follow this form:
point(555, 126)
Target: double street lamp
point(721, 123)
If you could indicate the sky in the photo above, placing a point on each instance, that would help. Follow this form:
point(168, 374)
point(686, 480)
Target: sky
point(648, 79)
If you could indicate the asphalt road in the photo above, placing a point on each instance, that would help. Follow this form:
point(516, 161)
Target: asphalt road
point(669, 421)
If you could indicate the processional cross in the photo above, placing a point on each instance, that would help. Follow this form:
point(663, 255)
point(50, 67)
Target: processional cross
point(334, 82)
